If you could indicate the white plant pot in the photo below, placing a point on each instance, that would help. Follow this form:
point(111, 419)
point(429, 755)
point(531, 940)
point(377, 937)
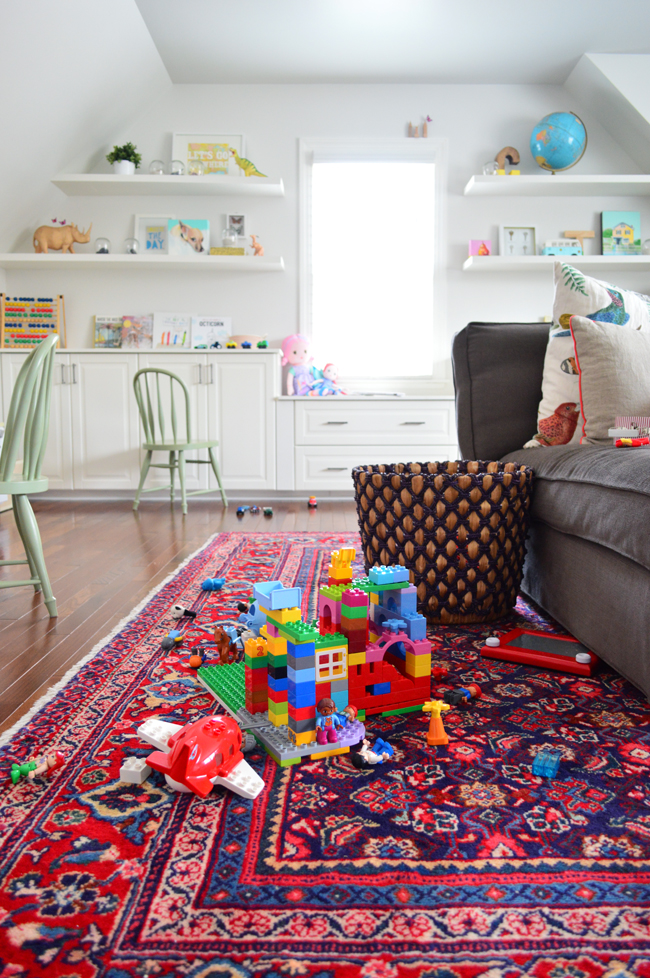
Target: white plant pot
point(125, 168)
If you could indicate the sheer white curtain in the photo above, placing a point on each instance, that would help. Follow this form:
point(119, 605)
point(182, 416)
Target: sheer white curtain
point(372, 264)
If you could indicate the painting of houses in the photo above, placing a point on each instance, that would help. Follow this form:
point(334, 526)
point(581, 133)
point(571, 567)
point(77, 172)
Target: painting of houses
point(621, 232)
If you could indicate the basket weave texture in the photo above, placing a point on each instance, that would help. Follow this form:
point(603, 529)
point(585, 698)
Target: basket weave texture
point(459, 527)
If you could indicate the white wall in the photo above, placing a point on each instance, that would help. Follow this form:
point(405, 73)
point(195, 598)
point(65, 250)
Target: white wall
point(477, 121)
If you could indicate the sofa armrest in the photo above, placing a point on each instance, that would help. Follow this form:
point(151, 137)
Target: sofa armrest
point(498, 370)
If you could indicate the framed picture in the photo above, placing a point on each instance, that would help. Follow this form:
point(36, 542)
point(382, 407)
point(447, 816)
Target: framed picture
point(237, 222)
point(190, 237)
point(480, 246)
point(212, 150)
point(517, 241)
point(210, 332)
point(108, 332)
point(171, 329)
point(621, 232)
point(150, 230)
point(137, 332)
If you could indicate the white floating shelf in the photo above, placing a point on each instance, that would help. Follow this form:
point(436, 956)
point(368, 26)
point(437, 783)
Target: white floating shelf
point(198, 263)
point(560, 185)
point(146, 185)
point(544, 263)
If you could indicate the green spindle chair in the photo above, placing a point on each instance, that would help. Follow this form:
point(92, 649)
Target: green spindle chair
point(158, 412)
point(27, 424)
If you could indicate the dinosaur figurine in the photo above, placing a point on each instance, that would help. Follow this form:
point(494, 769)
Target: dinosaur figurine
point(250, 170)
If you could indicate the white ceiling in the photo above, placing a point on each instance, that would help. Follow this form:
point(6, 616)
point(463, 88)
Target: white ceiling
point(439, 41)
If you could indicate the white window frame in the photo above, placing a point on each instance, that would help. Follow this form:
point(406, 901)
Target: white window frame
point(430, 150)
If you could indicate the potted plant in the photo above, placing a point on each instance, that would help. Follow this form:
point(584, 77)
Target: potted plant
point(125, 159)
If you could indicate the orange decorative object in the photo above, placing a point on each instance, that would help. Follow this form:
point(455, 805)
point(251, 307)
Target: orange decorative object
point(257, 247)
point(59, 239)
point(437, 734)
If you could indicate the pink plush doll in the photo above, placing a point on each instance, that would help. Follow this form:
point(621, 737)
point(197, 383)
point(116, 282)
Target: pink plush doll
point(300, 376)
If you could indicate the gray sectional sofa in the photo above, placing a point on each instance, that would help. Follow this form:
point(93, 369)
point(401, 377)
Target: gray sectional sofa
point(588, 561)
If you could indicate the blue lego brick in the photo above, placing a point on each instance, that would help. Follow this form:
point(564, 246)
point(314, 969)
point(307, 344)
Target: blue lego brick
point(340, 699)
point(275, 596)
point(395, 625)
point(416, 626)
point(407, 601)
point(300, 676)
point(379, 689)
point(546, 764)
point(278, 685)
point(300, 696)
point(388, 575)
point(302, 650)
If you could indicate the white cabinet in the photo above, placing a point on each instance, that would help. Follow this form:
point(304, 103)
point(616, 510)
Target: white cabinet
point(245, 392)
point(321, 441)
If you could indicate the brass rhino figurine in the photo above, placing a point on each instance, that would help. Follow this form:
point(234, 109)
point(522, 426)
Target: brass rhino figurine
point(59, 239)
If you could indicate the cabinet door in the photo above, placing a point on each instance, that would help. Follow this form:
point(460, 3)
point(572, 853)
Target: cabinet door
point(105, 442)
point(192, 371)
point(57, 462)
point(246, 416)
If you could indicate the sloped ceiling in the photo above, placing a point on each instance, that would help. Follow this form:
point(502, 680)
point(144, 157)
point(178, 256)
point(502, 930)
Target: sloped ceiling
point(435, 41)
point(72, 74)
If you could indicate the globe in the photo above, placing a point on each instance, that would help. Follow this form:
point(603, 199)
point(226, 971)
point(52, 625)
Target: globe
point(558, 141)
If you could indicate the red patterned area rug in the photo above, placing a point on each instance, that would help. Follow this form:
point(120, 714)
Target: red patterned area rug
point(451, 862)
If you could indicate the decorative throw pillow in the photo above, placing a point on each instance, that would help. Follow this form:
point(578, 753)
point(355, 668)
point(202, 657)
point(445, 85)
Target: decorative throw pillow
point(559, 421)
point(614, 375)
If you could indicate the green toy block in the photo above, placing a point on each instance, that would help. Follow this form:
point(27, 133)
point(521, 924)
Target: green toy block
point(365, 584)
point(228, 682)
point(259, 662)
point(277, 661)
point(331, 641)
point(354, 612)
point(405, 709)
point(333, 591)
point(361, 715)
point(298, 632)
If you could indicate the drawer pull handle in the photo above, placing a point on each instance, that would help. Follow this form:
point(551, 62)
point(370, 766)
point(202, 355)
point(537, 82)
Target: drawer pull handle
point(412, 422)
point(336, 468)
point(336, 422)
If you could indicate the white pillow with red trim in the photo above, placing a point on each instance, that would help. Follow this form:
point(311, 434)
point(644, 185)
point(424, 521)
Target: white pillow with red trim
point(559, 418)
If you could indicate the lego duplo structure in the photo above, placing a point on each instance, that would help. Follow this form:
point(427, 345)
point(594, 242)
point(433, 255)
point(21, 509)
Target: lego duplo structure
point(368, 649)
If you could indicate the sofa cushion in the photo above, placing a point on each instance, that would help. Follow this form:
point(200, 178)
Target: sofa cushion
point(600, 494)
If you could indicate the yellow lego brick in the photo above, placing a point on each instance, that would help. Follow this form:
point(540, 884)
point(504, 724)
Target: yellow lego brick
point(372, 636)
point(329, 753)
point(418, 665)
point(357, 659)
point(263, 632)
point(339, 573)
point(278, 719)
point(276, 646)
point(282, 616)
point(256, 648)
point(374, 599)
point(300, 738)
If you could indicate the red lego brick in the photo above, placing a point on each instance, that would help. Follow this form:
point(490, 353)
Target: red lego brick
point(326, 626)
point(278, 696)
point(352, 624)
point(323, 689)
point(302, 713)
point(256, 707)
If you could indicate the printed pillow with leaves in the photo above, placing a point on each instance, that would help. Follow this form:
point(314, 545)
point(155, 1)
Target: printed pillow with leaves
point(559, 421)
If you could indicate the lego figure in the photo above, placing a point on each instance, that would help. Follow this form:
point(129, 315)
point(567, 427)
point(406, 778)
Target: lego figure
point(301, 375)
point(369, 756)
point(328, 722)
point(33, 768)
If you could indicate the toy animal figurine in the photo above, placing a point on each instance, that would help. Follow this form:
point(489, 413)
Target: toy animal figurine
point(249, 169)
point(33, 768)
point(257, 247)
point(508, 154)
point(226, 648)
point(59, 239)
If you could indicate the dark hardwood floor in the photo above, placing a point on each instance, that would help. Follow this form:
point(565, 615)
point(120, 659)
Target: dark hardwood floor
point(103, 559)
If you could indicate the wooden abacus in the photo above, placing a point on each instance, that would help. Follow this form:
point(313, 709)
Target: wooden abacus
point(25, 321)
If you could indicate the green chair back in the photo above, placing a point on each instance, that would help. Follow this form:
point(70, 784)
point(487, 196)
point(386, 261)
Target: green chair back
point(28, 420)
point(156, 392)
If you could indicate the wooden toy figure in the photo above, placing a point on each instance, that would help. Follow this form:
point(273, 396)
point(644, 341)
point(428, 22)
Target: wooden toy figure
point(33, 768)
point(437, 734)
point(327, 722)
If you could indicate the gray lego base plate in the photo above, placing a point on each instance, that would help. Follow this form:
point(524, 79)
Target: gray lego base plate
point(275, 740)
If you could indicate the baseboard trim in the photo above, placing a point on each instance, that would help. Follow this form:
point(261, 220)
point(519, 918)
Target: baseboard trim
point(241, 497)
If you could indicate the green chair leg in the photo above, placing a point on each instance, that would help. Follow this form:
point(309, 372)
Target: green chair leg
point(172, 472)
point(25, 540)
point(143, 475)
point(181, 474)
point(30, 526)
point(215, 469)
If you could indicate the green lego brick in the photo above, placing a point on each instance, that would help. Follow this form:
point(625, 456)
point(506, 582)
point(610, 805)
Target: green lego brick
point(298, 632)
point(333, 591)
point(287, 763)
point(406, 709)
point(360, 611)
point(365, 584)
point(277, 661)
point(259, 662)
point(332, 641)
point(361, 715)
point(228, 682)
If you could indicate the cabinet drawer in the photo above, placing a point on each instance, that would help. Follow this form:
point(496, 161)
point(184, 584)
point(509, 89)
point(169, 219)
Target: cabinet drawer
point(325, 468)
point(378, 423)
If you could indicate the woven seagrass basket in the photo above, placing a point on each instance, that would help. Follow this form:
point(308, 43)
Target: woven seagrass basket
point(459, 527)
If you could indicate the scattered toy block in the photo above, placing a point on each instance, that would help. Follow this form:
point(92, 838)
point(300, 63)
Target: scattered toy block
point(135, 770)
point(282, 616)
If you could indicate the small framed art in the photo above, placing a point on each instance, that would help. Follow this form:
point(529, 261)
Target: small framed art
point(480, 246)
point(517, 241)
point(212, 150)
point(621, 232)
point(238, 223)
point(190, 237)
point(150, 231)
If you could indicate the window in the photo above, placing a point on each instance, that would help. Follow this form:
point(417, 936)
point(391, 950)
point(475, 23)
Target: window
point(369, 254)
point(331, 665)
